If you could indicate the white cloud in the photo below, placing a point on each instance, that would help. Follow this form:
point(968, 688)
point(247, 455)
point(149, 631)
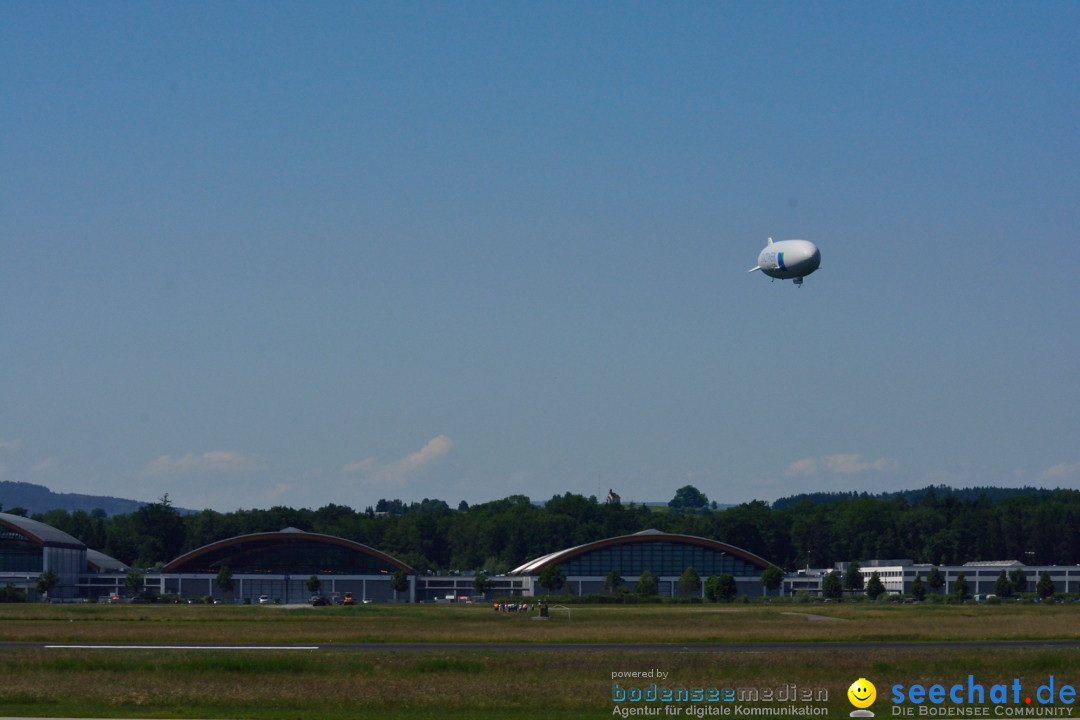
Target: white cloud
point(10, 445)
point(44, 466)
point(361, 466)
point(273, 495)
point(840, 465)
point(807, 466)
point(399, 472)
point(211, 462)
point(1062, 471)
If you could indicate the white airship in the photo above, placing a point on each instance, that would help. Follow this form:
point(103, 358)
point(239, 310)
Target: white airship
point(789, 259)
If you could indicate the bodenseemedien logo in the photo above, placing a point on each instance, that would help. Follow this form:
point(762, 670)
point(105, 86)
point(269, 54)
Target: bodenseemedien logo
point(862, 694)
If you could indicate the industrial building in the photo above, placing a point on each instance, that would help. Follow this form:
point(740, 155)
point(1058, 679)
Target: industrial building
point(29, 548)
point(586, 566)
point(897, 576)
point(278, 565)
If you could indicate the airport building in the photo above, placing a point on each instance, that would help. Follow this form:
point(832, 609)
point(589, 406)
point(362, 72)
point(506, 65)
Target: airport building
point(29, 548)
point(586, 567)
point(278, 565)
point(898, 575)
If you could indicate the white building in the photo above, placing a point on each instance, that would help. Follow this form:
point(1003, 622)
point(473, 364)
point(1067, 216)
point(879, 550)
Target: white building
point(898, 575)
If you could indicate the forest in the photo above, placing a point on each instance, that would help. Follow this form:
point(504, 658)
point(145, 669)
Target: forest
point(937, 526)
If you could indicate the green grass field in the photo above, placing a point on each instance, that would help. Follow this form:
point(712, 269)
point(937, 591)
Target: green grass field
point(487, 683)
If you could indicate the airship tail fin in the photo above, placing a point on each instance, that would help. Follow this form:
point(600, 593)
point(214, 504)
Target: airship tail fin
point(770, 241)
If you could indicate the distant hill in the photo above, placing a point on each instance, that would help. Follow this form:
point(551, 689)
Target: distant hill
point(912, 496)
point(40, 499)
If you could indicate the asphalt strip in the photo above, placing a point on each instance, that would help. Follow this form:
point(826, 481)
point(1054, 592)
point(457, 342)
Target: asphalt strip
point(182, 647)
point(813, 618)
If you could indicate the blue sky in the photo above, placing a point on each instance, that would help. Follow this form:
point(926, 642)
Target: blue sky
point(301, 253)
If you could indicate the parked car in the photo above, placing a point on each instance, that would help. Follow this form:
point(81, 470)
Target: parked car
point(318, 600)
point(265, 600)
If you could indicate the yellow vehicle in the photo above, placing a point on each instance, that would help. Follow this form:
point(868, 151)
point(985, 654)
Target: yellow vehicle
point(348, 599)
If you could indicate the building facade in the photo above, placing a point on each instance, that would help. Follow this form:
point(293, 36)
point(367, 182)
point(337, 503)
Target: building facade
point(278, 565)
point(29, 548)
point(586, 567)
point(897, 576)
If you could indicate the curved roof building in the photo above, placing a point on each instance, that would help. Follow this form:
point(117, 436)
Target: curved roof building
point(29, 548)
point(16, 528)
point(666, 555)
point(288, 552)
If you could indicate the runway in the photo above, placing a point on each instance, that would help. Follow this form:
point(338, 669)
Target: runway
point(769, 647)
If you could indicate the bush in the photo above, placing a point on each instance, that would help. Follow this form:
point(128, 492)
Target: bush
point(10, 594)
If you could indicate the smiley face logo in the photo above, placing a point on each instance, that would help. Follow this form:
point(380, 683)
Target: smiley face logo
point(862, 693)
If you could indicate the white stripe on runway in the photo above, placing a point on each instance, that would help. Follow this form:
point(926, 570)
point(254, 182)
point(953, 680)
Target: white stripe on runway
point(181, 647)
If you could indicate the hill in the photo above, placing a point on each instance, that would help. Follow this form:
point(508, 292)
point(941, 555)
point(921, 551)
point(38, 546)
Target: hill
point(912, 496)
point(40, 499)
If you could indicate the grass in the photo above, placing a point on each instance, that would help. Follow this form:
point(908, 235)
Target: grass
point(588, 623)
point(489, 684)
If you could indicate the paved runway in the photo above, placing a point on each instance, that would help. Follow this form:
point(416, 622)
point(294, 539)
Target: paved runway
point(846, 646)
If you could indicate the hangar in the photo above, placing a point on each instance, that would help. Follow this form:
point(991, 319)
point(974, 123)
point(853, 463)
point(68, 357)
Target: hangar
point(666, 555)
point(29, 548)
point(279, 564)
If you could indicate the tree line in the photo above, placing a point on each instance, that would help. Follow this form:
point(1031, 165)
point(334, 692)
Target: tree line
point(1040, 528)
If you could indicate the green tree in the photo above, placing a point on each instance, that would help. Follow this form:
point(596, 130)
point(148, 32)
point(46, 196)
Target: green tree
point(1019, 579)
point(960, 588)
point(224, 579)
point(313, 585)
point(1003, 586)
point(399, 582)
point(832, 587)
point(10, 594)
point(712, 589)
point(935, 579)
point(722, 588)
point(918, 589)
point(772, 578)
point(853, 579)
point(46, 582)
point(552, 578)
point(689, 584)
point(482, 583)
point(160, 532)
point(613, 581)
point(1045, 587)
point(726, 588)
point(647, 585)
point(688, 497)
point(133, 581)
point(874, 586)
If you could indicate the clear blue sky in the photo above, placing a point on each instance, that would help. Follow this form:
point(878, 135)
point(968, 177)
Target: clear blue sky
point(300, 253)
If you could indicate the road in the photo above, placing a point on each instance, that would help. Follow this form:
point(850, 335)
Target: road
point(576, 647)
